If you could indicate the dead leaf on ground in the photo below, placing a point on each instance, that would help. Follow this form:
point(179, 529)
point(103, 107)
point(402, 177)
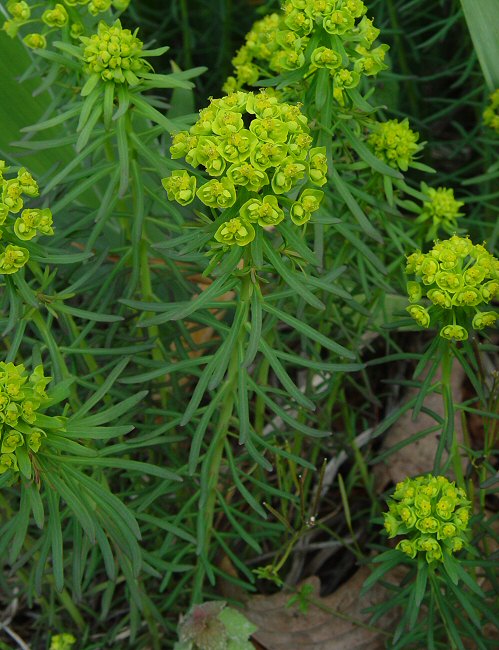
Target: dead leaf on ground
point(337, 622)
point(417, 457)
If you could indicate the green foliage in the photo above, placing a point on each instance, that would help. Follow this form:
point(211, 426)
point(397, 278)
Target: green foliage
point(220, 304)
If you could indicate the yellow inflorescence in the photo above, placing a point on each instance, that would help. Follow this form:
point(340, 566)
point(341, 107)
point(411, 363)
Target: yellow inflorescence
point(440, 212)
point(58, 16)
point(395, 143)
point(458, 278)
point(21, 396)
point(433, 515)
point(256, 149)
point(114, 54)
point(28, 222)
point(491, 113)
point(278, 43)
point(62, 641)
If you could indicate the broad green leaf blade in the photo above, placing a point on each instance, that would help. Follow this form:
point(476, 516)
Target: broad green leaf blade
point(482, 20)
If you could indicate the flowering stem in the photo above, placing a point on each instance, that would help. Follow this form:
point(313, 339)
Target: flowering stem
point(449, 429)
point(60, 368)
point(210, 471)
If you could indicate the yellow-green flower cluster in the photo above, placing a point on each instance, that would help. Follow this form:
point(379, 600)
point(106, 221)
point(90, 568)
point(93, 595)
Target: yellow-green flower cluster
point(60, 15)
point(458, 278)
point(441, 211)
point(395, 143)
point(29, 222)
point(261, 51)
point(21, 397)
point(433, 515)
point(62, 641)
point(114, 54)
point(491, 113)
point(257, 150)
point(20, 14)
point(279, 43)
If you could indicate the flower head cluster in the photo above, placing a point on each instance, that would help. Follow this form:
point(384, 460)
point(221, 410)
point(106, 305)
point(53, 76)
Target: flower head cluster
point(491, 113)
point(260, 46)
point(114, 54)
point(21, 397)
point(20, 14)
point(59, 16)
point(395, 143)
point(433, 515)
point(62, 641)
point(457, 277)
point(441, 211)
point(256, 149)
point(28, 222)
point(279, 42)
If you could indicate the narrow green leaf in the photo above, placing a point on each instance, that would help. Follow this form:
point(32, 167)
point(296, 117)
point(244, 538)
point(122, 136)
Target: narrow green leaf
point(228, 348)
point(108, 103)
point(107, 553)
point(182, 310)
point(421, 582)
point(101, 392)
point(200, 389)
point(243, 534)
point(176, 366)
point(122, 463)
point(151, 113)
point(123, 157)
point(242, 403)
point(75, 501)
point(86, 315)
point(88, 129)
point(354, 207)
point(23, 461)
point(197, 438)
point(101, 494)
point(349, 235)
point(256, 329)
point(53, 121)
point(366, 154)
point(290, 277)
point(36, 503)
point(111, 414)
point(308, 331)
point(289, 418)
point(162, 524)
point(55, 532)
point(284, 378)
point(296, 242)
point(245, 493)
point(57, 179)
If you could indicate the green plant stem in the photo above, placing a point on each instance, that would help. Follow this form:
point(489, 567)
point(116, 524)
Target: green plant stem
point(262, 380)
point(449, 413)
point(210, 471)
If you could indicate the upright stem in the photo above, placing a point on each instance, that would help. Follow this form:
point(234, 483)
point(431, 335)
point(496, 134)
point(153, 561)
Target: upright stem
point(449, 413)
point(210, 471)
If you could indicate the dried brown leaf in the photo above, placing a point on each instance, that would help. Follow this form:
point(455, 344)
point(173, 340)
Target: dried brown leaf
point(336, 622)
